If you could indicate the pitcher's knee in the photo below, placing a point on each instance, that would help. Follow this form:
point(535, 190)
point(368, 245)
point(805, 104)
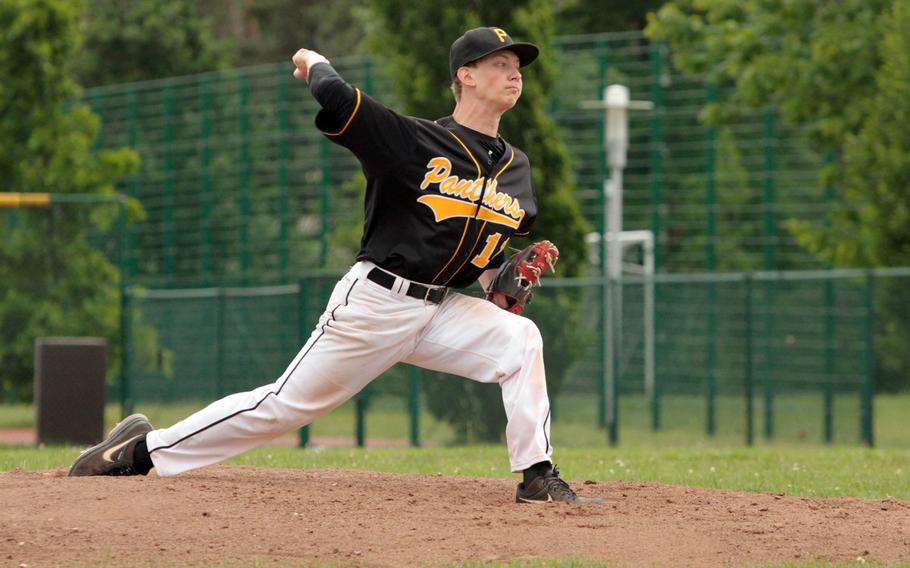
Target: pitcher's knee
point(529, 335)
point(525, 345)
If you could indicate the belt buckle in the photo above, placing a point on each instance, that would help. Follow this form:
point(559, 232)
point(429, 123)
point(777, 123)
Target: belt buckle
point(426, 297)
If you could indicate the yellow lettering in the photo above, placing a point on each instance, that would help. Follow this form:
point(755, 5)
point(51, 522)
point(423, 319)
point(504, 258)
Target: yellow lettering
point(439, 170)
point(476, 189)
point(490, 191)
point(466, 193)
point(464, 188)
point(482, 259)
point(448, 185)
point(501, 34)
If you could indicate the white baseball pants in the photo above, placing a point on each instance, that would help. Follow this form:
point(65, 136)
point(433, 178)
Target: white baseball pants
point(364, 330)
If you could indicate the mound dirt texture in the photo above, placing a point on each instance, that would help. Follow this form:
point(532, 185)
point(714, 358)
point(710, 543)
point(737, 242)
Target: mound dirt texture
point(227, 515)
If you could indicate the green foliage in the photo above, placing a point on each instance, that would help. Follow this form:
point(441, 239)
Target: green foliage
point(731, 199)
point(421, 80)
point(284, 26)
point(877, 156)
point(820, 64)
point(55, 280)
point(135, 40)
point(838, 70)
point(814, 60)
point(598, 16)
point(877, 175)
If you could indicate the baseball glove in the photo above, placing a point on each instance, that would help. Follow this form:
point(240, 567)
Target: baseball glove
point(520, 273)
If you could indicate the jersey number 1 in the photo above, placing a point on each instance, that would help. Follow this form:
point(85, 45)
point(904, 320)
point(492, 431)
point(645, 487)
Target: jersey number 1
point(483, 258)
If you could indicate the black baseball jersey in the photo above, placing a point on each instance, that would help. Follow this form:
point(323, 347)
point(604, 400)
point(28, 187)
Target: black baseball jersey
point(442, 200)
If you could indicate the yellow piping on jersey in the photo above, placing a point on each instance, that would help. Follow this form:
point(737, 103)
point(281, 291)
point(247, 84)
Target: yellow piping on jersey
point(484, 226)
point(463, 233)
point(348, 123)
point(468, 220)
point(473, 159)
point(465, 261)
point(512, 157)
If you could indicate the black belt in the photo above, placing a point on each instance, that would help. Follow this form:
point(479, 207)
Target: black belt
point(433, 295)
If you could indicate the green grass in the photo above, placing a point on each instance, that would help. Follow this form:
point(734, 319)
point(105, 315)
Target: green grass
point(820, 472)
point(680, 453)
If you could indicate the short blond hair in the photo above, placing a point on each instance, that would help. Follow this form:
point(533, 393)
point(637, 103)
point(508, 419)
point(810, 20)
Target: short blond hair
point(456, 85)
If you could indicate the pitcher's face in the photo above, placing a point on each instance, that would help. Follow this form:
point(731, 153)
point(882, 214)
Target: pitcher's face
point(498, 79)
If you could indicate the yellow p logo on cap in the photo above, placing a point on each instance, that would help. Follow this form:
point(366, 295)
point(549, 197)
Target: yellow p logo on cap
point(501, 34)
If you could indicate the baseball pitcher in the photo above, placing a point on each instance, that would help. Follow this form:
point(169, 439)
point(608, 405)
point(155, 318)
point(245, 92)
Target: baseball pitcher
point(443, 199)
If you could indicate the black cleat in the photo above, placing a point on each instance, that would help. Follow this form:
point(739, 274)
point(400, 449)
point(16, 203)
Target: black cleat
point(548, 488)
point(114, 456)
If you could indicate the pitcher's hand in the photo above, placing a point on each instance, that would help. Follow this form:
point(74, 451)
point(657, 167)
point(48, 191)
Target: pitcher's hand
point(303, 60)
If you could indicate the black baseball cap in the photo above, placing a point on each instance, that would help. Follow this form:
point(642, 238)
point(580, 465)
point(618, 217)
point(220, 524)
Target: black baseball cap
point(480, 42)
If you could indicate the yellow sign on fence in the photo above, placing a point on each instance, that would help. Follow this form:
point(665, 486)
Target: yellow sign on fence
point(25, 199)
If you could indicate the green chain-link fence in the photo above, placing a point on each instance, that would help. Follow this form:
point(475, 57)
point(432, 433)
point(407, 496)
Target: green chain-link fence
point(241, 189)
point(244, 198)
point(747, 356)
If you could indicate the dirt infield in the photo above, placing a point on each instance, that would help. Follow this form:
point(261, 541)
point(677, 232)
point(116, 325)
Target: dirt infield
point(240, 515)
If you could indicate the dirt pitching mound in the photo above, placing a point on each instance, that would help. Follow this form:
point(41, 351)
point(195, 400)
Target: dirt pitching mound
point(242, 516)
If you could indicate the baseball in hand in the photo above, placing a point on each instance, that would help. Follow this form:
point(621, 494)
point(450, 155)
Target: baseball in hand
point(303, 60)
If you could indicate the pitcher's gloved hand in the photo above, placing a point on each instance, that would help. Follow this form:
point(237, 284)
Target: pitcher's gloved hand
point(511, 287)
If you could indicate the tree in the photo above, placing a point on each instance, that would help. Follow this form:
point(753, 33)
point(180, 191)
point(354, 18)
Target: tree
point(135, 40)
point(814, 60)
point(598, 16)
point(55, 282)
point(839, 70)
point(266, 31)
point(877, 156)
point(413, 41)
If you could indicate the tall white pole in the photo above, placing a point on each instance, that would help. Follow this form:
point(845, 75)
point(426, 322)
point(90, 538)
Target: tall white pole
point(616, 99)
point(608, 245)
point(616, 103)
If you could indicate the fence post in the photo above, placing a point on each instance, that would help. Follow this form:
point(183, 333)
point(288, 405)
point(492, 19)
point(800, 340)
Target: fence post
point(126, 402)
point(711, 266)
point(656, 149)
point(221, 334)
point(828, 389)
point(655, 157)
point(866, 393)
point(284, 206)
point(325, 184)
point(205, 105)
point(769, 240)
point(245, 169)
point(131, 181)
point(169, 176)
point(303, 321)
point(768, 355)
point(360, 411)
point(829, 322)
point(414, 405)
point(769, 262)
point(601, 51)
point(750, 434)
